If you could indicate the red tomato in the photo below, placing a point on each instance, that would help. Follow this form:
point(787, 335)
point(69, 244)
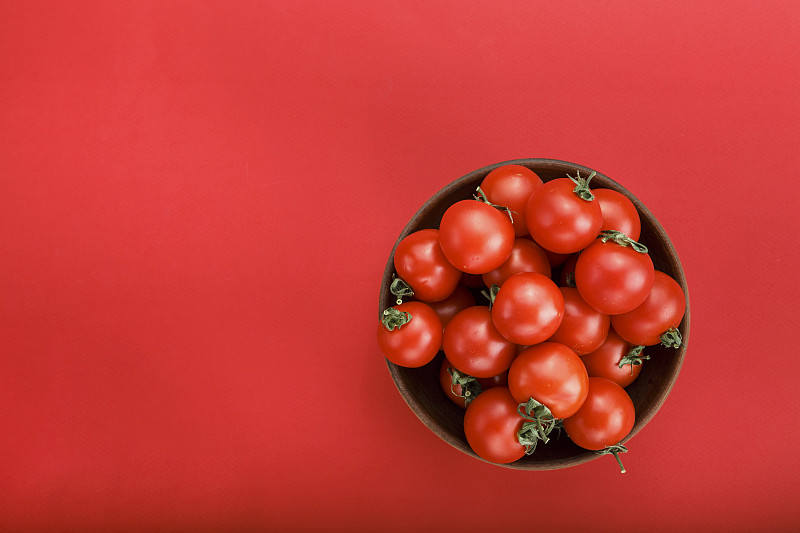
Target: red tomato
point(450, 306)
point(555, 259)
point(475, 237)
point(619, 213)
point(604, 361)
point(662, 309)
point(566, 276)
point(419, 261)
point(583, 328)
point(551, 374)
point(511, 186)
point(561, 221)
point(415, 336)
point(604, 419)
point(456, 392)
point(612, 278)
point(491, 424)
point(528, 308)
point(474, 346)
point(526, 256)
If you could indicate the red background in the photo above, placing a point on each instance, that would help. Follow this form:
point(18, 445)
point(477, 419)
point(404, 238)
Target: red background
point(197, 201)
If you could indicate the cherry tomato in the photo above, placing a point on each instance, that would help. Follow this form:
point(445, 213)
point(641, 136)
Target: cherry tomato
point(419, 261)
point(450, 306)
point(583, 328)
point(561, 221)
point(455, 393)
point(475, 237)
point(555, 259)
point(663, 309)
point(604, 419)
point(474, 346)
point(566, 276)
point(526, 256)
point(604, 361)
point(551, 374)
point(528, 308)
point(415, 342)
point(511, 186)
point(619, 213)
point(491, 423)
point(612, 278)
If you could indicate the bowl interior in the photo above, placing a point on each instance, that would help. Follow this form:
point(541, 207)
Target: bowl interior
point(420, 387)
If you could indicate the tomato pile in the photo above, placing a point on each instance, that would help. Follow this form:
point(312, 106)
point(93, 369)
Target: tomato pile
point(543, 303)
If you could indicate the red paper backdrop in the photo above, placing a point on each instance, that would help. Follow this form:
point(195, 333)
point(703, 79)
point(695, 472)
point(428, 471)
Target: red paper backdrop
point(197, 200)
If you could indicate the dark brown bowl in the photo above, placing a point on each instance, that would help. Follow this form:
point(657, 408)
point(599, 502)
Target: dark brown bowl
point(420, 387)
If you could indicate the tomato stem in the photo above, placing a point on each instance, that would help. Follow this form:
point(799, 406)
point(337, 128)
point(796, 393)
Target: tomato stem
point(582, 186)
point(491, 294)
point(633, 357)
point(622, 239)
point(394, 318)
point(400, 289)
point(540, 423)
point(481, 197)
point(470, 387)
point(615, 450)
point(672, 338)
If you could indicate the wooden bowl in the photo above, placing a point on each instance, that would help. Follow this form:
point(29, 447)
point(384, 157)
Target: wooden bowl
point(420, 387)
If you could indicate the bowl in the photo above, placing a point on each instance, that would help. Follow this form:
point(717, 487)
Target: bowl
point(420, 387)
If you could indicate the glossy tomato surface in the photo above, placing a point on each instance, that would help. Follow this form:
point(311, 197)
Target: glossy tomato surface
point(583, 328)
point(551, 374)
point(461, 298)
point(604, 419)
point(663, 309)
point(604, 361)
point(528, 308)
point(415, 343)
point(619, 213)
point(491, 423)
point(526, 256)
point(475, 237)
point(474, 346)
point(511, 186)
point(420, 262)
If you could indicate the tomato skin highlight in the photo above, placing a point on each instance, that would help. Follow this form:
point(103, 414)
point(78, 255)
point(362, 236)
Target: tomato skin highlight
point(528, 308)
point(416, 343)
point(473, 345)
point(551, 374)
point(491, 423)
point(604, 419)
point(583, 328)
point(663, 309)
point(526, 256)
point(511, 186)
point(420, 262)
point(604, 361)
point(475, 237)
point(619, 213)
point(613, 279)
point(559, 220)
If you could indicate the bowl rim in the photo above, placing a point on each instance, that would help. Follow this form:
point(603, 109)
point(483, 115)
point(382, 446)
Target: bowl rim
point(549, 165)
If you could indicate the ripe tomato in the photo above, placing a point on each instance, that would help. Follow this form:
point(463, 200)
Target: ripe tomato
point(619, 213)
point(566, 277)
point(604, 419)
point(613, 278)
point(528, 308)
point(450, 306)
point(419, 261)
point(475, 237)
point(456, 392)
point(415, 336)
point(662, 309)
point(491, 424)
point(583, 328)
point(474, 346)
point(559, 219)
point(604, 361)
point(551, 374)
point(526, 256)
point(511, 186)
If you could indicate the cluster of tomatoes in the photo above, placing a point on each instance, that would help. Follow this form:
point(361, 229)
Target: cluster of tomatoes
point(571, 300)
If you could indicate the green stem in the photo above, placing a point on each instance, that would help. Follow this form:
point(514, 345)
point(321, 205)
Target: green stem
point(394, 318)
point(481, 197)
point(400, 289)
point(491, 294)
point(470, 387)
point(615, 450)
point(622, 239)
point(633, 357)
point(582, 186)
point(672, 338)
point(540, 423)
